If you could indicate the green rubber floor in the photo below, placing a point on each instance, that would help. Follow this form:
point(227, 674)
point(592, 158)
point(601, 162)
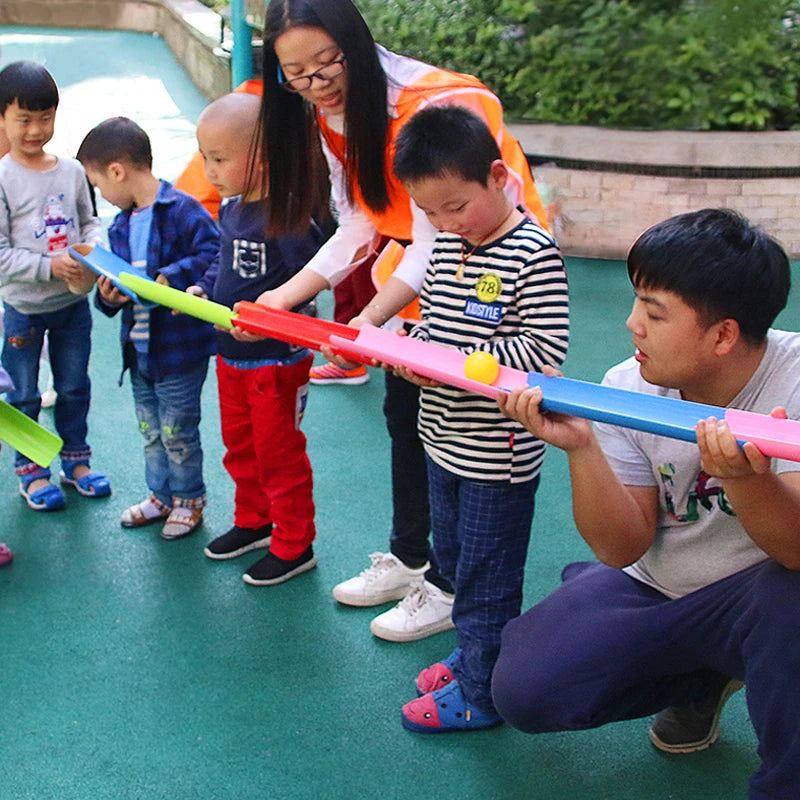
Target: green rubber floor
point(137, 668)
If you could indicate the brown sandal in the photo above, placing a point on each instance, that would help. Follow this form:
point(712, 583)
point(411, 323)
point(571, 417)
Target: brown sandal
point(181, 522)
point(135, 517)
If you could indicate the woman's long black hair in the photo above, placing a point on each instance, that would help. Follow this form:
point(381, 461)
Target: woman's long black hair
point(290, 141)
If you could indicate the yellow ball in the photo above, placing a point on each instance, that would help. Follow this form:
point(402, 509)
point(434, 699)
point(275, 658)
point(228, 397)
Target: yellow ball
point(482, 367)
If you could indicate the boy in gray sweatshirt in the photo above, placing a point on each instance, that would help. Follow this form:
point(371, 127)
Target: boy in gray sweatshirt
point(45, 206)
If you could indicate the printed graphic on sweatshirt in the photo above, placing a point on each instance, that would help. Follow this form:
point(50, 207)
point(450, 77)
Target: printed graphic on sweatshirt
point(487, 291)
point(55, 224)
point(249, 258)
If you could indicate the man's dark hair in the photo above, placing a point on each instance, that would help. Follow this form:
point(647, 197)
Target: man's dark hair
point(445, 140)
point(116, 139)
point(30, 84)
point(718, 264)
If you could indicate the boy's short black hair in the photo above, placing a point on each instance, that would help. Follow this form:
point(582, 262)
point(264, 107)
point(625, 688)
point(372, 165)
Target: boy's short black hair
point(440, 140)
point(116, 139)
point(718, 264)
point(30, 84)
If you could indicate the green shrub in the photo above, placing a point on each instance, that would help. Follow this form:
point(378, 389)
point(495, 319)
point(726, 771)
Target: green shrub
point(216, 5)
point(463, 36)
point(692, 64)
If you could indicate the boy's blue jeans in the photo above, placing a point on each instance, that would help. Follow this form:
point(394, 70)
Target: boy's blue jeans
point(69, 343)
point(481, 531)
point(168, 411)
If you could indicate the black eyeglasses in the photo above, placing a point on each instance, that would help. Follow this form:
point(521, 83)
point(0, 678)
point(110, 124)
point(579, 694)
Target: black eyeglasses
point(326, 73)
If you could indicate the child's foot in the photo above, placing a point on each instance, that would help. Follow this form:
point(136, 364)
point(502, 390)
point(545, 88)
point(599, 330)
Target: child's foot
point(238, 541)
point(40, 494)
point(6, 556)
point(145, 513)
point(438, 675)
point(271, 569)
point(87, 483)
point(444, 711)
point(181, 522)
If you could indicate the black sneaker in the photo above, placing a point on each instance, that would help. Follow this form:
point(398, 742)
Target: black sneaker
point(238, 541)
point(689, 729)
point(272, 569)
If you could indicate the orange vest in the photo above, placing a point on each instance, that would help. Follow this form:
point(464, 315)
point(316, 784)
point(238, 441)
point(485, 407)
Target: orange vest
point(431, 85)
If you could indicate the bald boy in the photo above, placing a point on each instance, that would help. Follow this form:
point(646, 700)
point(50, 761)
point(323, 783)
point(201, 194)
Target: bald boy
point(262, 383)
point(226, 132)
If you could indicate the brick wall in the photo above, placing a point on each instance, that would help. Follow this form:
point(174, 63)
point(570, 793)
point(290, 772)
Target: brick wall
point(597, 212)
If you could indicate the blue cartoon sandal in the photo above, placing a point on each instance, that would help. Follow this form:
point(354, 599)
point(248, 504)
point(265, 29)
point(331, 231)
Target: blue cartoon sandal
point(46, 498)
point(444, 711)
point(438, 675)
point(93, 484)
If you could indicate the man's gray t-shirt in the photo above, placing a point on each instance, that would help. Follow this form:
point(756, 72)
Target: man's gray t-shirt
point(699, 540)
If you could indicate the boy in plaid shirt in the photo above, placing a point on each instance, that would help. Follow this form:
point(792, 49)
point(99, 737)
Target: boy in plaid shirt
point(175, 239)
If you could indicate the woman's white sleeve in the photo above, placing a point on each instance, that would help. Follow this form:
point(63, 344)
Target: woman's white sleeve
point(334, 260)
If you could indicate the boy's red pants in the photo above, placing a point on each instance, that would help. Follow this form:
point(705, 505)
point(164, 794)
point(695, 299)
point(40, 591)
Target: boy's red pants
point(260, 412)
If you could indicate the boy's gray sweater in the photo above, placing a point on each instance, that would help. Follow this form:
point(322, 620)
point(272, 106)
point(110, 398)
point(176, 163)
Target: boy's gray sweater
point(41, 213)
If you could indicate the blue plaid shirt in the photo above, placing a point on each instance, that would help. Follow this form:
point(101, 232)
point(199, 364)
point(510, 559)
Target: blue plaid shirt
point(183, 243)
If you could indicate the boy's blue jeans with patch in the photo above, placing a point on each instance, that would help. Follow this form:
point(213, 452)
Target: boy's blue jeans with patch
point(168, 411)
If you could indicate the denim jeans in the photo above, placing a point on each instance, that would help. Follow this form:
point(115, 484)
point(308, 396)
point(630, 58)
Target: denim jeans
point(481, 531)
point(69, 343)
point(168, 411)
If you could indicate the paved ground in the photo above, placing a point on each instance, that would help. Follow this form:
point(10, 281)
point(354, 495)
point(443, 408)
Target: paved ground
point(102, 74)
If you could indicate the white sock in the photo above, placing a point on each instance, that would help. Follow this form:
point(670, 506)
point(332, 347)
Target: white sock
point(148, 508)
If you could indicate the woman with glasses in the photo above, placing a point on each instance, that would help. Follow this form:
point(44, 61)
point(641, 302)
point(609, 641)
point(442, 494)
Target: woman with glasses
point(324, 76)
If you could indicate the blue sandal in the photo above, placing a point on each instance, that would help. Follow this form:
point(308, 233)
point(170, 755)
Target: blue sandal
point(445, 710)
point(93, 484)
point(48, 498)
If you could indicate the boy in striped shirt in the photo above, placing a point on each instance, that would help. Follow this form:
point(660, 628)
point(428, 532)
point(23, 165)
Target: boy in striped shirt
point(496, 283)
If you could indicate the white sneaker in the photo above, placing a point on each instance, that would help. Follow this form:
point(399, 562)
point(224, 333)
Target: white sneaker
point(387, 578)
point(425, 610)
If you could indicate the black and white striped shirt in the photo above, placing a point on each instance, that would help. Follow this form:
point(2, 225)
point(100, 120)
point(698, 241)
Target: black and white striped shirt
point(509, 297)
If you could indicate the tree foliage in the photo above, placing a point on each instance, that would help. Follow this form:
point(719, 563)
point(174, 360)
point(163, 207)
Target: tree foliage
point(690, 64)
